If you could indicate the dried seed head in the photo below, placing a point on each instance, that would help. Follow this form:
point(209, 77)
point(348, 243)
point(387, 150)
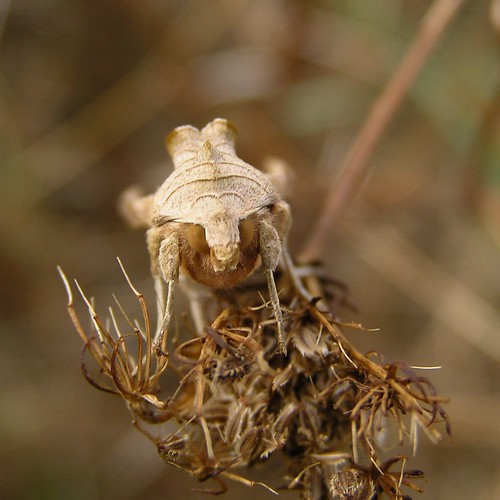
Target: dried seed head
point(350, 484)
point(172, 447)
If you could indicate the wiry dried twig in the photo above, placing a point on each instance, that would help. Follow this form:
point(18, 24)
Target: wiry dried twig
point(133, 374)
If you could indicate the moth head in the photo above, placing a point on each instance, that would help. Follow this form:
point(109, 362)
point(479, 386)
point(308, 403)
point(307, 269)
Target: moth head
point(222, 238)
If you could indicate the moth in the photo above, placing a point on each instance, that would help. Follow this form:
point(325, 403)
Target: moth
point(215, 220)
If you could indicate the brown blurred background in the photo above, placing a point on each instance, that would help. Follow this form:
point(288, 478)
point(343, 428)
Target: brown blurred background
point(90, 88)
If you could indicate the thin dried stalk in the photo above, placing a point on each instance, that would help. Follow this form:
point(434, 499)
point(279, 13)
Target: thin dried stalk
point(356, 164)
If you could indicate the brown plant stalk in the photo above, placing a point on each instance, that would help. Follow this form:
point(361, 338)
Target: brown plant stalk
point(356, 166)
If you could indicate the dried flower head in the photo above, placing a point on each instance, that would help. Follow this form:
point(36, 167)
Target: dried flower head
point(236, 400)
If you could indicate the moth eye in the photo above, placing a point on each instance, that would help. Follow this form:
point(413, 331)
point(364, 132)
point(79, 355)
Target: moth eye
point(196, 238)
point(247, 231)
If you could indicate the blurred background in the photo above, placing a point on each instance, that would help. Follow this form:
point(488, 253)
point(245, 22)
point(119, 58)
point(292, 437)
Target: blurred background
point(88, 91)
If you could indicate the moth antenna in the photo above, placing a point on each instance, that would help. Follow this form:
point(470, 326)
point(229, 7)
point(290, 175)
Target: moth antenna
point(167, 316)
point(275, 303)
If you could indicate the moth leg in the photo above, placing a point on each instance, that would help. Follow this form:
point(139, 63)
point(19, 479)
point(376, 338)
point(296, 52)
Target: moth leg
point(275, 302)
point(270, 250)
point(282, 221)
point(200, 298)
point(281, 175)
point(294, 274)
point(163, 246)
point(135, 208)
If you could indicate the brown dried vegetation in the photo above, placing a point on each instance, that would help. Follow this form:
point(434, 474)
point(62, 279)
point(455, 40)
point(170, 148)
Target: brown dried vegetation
point(325, 407)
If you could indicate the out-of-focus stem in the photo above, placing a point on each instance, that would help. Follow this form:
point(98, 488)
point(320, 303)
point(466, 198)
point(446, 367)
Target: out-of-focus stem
point(356, 164)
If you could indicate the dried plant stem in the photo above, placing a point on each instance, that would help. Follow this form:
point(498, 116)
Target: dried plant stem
point(358, 359)
point(247, 482)
point(356, 167)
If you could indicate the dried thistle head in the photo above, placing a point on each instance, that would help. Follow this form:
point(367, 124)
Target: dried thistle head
point(236, 400)
point(350, 483)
